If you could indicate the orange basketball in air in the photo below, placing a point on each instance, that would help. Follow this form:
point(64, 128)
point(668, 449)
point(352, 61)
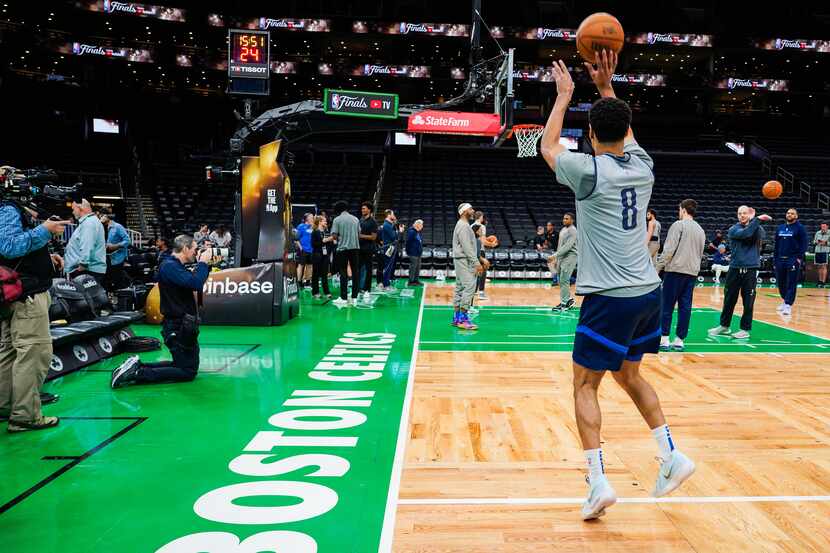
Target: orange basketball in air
point(599, 31)
point(772, 190)
point(491, 241)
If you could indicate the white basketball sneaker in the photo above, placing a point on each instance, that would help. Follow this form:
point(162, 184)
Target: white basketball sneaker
point(600, 496)
point(673, 472)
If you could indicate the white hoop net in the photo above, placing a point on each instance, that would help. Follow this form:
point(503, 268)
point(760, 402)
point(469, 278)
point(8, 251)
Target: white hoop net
point(527, 136)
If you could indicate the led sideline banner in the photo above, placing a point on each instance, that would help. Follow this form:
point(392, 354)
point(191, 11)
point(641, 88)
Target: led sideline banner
point(643, 79)
point(405, 28)
point(540, 74)
point(771, 85)
point(545, 33)
point(673, 39)
point(411, 71)
point(128, 54)
point(794, 44)
point(268, 23)
point(133, 8)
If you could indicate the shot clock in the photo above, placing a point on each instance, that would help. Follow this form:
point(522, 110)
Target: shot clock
point(249, 62)
point(249, 54)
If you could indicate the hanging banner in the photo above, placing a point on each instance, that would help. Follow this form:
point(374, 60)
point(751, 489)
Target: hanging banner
point(454, 122)
point(797, 44)
point(671, 39)
point(406, 28)
point(771, 85)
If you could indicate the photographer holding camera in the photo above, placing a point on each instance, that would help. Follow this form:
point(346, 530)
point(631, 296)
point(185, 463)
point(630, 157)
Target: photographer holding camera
point(180, 329)
point(25, 343)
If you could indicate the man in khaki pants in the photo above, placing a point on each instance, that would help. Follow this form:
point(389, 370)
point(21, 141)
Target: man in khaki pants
point(25, 343)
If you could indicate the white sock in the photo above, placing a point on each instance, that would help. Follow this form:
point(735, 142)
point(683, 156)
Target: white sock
point(596, 468)
point(664, 441)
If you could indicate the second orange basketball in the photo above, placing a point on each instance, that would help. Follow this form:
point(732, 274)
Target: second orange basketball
point(597, 32)
point(772, 190)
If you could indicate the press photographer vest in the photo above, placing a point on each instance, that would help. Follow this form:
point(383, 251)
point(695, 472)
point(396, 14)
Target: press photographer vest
point(35, 268)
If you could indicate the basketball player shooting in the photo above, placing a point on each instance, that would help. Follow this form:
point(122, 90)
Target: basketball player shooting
point(619, 320)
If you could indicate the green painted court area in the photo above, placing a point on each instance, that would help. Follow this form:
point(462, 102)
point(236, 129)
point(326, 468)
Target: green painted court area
point(277, 441)
point(529, 328)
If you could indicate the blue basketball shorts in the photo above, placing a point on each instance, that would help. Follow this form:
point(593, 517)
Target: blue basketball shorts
point(613, 330)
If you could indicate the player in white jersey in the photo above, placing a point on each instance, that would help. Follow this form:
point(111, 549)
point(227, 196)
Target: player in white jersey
point(619, 319)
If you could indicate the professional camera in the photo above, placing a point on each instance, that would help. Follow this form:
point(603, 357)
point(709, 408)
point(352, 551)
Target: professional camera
point(29, 188)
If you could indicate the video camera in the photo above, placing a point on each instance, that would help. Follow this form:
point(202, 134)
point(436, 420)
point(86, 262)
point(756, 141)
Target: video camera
point(27, 187)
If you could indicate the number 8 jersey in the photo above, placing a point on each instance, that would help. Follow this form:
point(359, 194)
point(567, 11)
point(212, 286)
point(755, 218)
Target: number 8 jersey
point(612, 196)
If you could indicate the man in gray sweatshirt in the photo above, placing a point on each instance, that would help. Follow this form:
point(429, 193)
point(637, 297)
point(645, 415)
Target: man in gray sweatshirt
point(680, 260)
point(565, 258)
point(467, 267)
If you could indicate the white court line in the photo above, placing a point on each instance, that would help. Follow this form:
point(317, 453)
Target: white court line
point(539, 335)
point(388, 530)
point(647, 500)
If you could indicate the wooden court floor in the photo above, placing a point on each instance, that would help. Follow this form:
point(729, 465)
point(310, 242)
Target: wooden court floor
point(493, 462)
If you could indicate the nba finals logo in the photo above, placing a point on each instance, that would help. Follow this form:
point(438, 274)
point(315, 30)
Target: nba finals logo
point(335, 101)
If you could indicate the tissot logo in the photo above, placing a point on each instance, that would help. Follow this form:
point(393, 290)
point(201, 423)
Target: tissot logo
point(228, 286)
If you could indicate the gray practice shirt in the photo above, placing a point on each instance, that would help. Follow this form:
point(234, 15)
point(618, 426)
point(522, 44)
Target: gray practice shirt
point(683, 249)
point(346, 227)
point(612, 196)
point(464, 241)
point(567, 244)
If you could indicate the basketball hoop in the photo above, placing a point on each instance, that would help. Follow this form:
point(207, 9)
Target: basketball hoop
point(527, 136)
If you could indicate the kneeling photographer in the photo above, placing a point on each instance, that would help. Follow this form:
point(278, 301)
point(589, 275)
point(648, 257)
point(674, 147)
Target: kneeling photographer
point(180, 328)
point(26, 271)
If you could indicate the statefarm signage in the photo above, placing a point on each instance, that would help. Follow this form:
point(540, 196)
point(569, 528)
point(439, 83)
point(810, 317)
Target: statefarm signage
point(360, 104)
point(454, 122)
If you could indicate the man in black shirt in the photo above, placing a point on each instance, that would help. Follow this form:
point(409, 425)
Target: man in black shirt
point(181, 319)
point(551, 236)
point(539, 240)
point(368, 238)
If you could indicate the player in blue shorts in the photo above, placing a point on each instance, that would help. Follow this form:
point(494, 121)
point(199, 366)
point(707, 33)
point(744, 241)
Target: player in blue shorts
point(619, 320)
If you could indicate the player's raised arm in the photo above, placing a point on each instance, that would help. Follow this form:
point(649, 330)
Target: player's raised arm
point(550, 145)
point(602, 74)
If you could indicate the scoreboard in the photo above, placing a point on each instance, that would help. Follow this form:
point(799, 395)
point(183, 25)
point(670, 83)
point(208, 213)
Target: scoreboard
point(249, 54)
point(249, 62)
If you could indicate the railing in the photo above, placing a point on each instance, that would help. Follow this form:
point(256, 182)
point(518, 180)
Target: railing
point(379, 186)
point(135, 237)
point(785, 178)
point(69, 229)
point(805, 189)
point(766, 166)
point(823, 201)
point(95, 180)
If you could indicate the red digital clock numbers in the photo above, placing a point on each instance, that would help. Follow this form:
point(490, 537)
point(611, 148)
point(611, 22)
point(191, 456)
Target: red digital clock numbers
point(248, 54)
point(250, 48)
